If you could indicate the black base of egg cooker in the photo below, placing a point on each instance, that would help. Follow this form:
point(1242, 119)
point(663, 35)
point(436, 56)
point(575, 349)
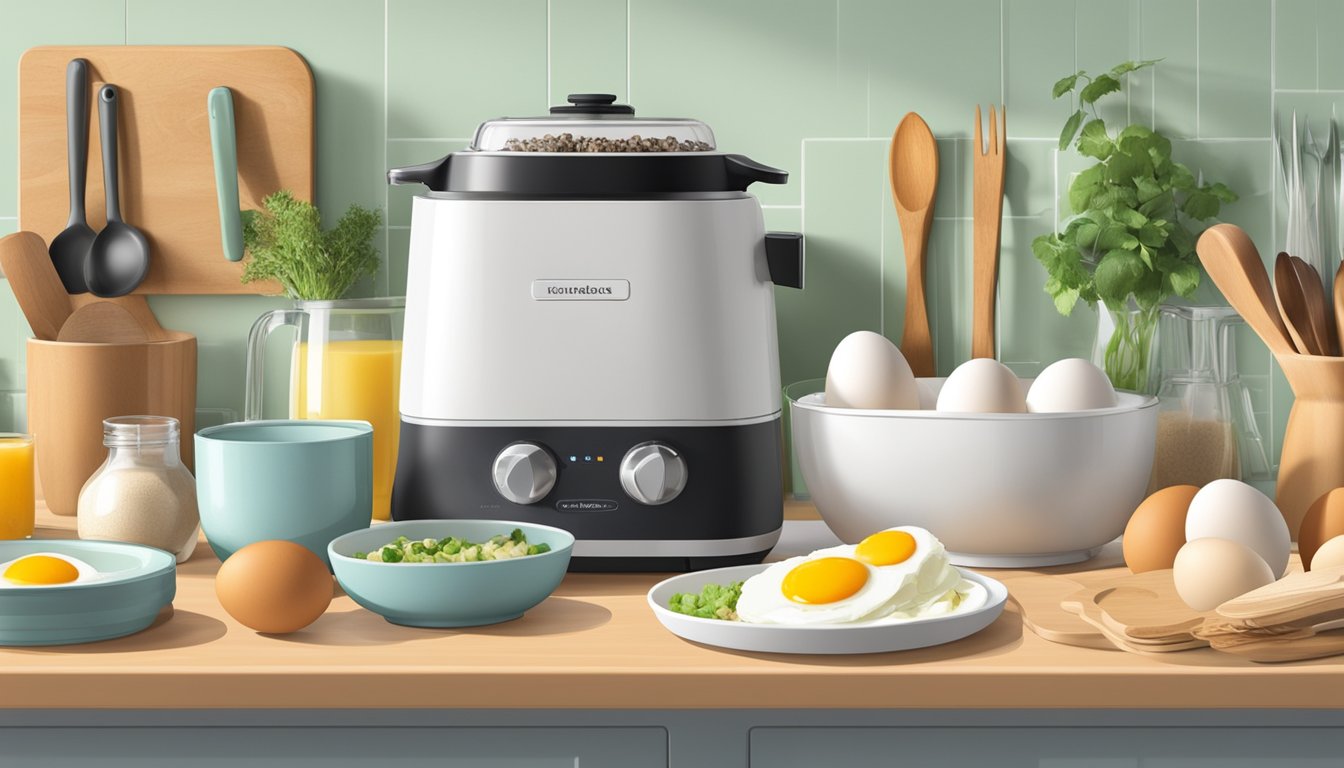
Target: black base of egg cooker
point(729, 513)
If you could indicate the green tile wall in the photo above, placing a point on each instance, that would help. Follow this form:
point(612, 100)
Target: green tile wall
point(814, 86)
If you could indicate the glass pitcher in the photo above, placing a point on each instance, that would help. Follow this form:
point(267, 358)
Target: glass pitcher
point(345, 364)
point(1206, 427)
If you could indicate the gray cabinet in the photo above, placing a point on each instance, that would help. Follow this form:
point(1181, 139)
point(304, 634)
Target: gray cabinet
point(1037, 747)
point(333, 747)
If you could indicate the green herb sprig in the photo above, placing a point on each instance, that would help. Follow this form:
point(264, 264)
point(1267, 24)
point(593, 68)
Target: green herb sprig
point(285, 242)
point(1129, 235)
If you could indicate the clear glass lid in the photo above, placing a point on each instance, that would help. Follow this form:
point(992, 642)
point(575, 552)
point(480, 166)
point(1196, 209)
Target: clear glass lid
point(592, 122)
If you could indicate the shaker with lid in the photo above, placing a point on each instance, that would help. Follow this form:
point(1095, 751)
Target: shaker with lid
point(142, 494)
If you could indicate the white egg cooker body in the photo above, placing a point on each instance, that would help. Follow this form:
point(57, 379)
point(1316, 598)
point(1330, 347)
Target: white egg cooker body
point(605, 366)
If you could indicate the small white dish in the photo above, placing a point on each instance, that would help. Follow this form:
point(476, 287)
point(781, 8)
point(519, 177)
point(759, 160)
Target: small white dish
point(877, 637)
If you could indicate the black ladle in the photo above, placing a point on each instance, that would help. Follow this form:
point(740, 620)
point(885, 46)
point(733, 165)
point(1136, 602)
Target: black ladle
point(70, 250)
point(119, 257)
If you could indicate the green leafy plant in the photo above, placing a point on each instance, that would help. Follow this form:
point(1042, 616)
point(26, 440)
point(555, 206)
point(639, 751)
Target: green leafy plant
point(1130, 242)
point(286, 243)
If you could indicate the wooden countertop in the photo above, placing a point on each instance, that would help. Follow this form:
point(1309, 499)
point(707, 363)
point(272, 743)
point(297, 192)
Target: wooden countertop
point(595, 644)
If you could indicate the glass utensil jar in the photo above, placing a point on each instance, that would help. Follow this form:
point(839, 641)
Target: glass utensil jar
point(345, 365)
point(16, 486)
point(1206, 428)
point(143, 493)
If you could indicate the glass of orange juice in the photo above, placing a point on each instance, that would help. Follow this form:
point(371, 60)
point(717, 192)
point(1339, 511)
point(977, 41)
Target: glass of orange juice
point(17, 500)
point(345, 364)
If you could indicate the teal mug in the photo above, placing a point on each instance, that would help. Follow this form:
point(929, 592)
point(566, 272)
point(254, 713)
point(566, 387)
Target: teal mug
point(305, 481)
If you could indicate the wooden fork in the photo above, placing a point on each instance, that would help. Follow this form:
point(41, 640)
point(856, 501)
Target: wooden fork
point(988, 164)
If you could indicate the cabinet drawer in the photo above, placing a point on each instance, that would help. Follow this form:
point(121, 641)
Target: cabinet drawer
point(322, 747)
point(1014, 747)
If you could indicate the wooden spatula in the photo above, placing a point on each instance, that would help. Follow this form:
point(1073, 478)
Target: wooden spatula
point(1314, 297)
point(1297, 597)
point(102, 322)
point(36, 285)
point(988, 163)
point(1232, 261)
point(1293, 307)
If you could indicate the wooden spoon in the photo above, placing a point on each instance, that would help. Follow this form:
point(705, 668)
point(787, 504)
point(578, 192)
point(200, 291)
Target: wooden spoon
point(914, 184)
point(35, 282)
point(1288, 294)
point(1230, 258)
point(103, 322)
point(1310, 281)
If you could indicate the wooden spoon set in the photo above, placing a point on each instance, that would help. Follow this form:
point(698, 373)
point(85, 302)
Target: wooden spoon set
point(1299, 617)
point(1292, 320)
point(913, 166)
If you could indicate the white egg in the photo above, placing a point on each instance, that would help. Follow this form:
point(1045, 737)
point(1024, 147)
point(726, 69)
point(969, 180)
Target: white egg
point(1231, 509)
point(1330, 555)
point(1072, 384)
point(85, 572)
point(1209, 572)
point(982, 385)
point(868, 371)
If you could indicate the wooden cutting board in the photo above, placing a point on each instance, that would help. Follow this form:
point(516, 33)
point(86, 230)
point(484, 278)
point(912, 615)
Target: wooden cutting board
point(167, 170)
point(1139, 612)
point(1039, 597)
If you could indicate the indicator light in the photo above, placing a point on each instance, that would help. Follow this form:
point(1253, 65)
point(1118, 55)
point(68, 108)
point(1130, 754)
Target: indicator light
point(573, 458)
point(599, 459)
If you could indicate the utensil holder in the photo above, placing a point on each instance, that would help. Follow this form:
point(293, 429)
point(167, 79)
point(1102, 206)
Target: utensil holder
point(1313, 445)
point(72, 387)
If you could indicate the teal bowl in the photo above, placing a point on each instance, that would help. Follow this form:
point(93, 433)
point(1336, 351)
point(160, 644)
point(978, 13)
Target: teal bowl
point(450, 594)
point(134, 584)
point(305, 481)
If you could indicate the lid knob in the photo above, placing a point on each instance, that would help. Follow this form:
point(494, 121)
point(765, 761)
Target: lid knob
point(593, 104)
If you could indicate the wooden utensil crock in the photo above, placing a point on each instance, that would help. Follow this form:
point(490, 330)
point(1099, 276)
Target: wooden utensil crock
point(72, 387)
point(1313, 445)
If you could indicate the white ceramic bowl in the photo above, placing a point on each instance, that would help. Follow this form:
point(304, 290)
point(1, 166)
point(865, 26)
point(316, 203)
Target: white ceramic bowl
point(999, 490)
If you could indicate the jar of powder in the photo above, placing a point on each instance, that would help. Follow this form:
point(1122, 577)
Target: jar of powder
point(142, 494)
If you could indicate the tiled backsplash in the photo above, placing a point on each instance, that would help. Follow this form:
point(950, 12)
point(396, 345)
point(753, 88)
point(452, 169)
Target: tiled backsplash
point(812, 86)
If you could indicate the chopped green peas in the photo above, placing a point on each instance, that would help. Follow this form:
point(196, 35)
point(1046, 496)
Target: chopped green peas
point(455, 550)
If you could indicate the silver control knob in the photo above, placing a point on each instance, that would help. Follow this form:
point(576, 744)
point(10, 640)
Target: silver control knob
point(524, 473)
point(653, 473)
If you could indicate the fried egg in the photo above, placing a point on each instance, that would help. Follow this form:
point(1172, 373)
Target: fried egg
point(46, 569)
point(900, 570)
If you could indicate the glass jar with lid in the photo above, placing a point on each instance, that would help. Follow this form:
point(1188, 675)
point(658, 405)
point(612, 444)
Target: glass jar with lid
point(142, 494)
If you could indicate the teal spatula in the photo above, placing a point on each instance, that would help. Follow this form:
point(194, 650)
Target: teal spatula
point(224, 148)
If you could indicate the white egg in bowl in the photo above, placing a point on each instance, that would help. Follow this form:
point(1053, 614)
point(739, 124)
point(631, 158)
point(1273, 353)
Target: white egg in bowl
point(998, 489)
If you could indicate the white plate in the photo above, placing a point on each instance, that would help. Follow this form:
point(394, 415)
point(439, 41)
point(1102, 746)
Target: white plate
point(878, 637)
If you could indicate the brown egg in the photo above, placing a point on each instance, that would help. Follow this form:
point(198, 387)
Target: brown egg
point(1324, 521)
point(274, 586)
point(1156, 530)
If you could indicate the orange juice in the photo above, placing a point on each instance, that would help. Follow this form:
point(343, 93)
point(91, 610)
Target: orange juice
point(357, 379)
point(16, 486)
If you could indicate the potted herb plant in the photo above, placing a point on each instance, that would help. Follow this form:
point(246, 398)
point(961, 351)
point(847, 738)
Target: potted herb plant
point(1136, 214)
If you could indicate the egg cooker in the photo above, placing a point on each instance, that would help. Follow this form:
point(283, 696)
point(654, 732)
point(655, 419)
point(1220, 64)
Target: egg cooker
point(590, 339)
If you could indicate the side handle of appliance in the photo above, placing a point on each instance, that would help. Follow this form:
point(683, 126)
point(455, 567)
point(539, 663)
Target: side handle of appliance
point(785, 258)
point(745, 172)
point(433, 174)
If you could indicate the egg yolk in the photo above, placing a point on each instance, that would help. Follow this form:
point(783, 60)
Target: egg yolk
point(886, 548)
point(41, 569)
point(825, 580)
